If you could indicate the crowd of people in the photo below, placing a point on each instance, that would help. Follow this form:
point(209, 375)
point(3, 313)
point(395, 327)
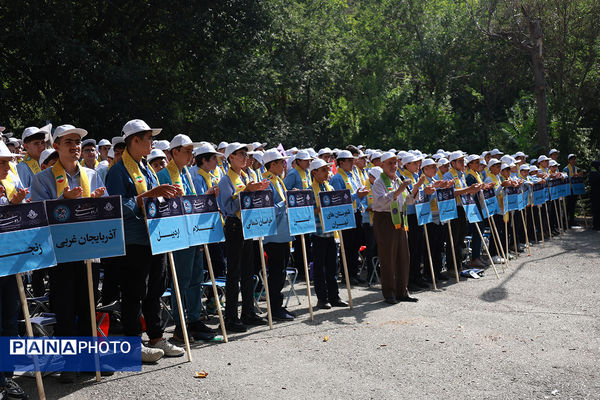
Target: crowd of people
point(62, 163)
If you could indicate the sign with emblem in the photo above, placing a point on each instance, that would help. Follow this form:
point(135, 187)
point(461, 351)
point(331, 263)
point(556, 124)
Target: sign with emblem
point(301, 211)
point(539, 194)
point(204, 224)
point(86, 228)
point(491, 206)
point(337, 212)
point(25, 240)
point(423, 208)
point(578, 185)
point(446, 204)
point(166, 223)
point(511, 198)
point(258, 214)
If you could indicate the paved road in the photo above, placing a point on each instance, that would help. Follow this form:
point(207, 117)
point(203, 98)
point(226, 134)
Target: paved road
point(532, 334)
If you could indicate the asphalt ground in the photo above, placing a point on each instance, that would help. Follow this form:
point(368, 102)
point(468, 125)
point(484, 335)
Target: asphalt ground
point(532, 334)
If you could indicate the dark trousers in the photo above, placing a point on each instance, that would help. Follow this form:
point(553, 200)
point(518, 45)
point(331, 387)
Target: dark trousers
point(437, 234)
point(278, 259)
point(143, 282)
point(352, 243)
point(240, 269)
point(111, 288)
point(9, 311)
point(475, 240)
point(325, 268)
point(459, 228)
point(571, 203)
point(217, 257)
point(37, 281)
point(394, 257)
point(69, 299)
point(416, 246)
point(371, 243)
point(494, 250)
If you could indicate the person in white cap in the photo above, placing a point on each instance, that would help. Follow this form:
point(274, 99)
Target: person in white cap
point(553, 154)
point(367, 220)
point(240, 268)
point(298, 177)
point(222, 162)
point(277, 246)
point(67, 179)
point(443, 166)
point(143, 275)
point(14, 145)
point(103, 147)
point(34, 142)
point(188, 262)
point(392, 241)
point(89, 154)
point(9, 306)
point(256, 162)
point(572, 171)
point(324, 248)
point(345, 179)
point(157, 160)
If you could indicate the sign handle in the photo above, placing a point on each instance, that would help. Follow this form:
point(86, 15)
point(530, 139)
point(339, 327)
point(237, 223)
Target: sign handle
point(494, 232)
point(533, 222)
point(453, 254)
point(90, 284)
point(265, 282)
point(564, 203)
point(310, 309)
point(514, 232)
point(485, 246)
point(29, 329)
point(541, 222)
point(558, 217)
point(429, 255)
point(548, 221)
point(526, 234)
point(345, 265)
point(505, 218)
point(180, 306)
point(215, 292)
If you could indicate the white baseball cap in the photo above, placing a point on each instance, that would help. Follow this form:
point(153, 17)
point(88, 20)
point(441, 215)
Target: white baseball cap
point(45, 154)
point(206, 148)
point(14, 141)
point(67, 129)
point(493, 162)
point(111, 152)
point(533, 161)
point(103, 142)
point(325, 150)
point(427, 162)
point(257, 155)
point(303, 155)
point(318, 163)
point(222, 145)
point(256, 145)
point(117, 140)
point(30, 131)
point(375, 155)
point(181, 140)
point(507, 159)
point(495, 152)
point(553, 164)
point(376, 172)
point(235, 146)
point(533, 169)
point(442, 161)
point(504, 166)
point(542, 158)
point(519, 154)
point(456, 155)
point(273, 155)
point(162, 145)
point(553, 151)
point(137, 125)
point(410, 158)
point(344, 154)
point(87, 142)
point(524, 167)
point(471, 158)
point(387, 155)
point(156, 153)
point(571, 156)
point(5, 152)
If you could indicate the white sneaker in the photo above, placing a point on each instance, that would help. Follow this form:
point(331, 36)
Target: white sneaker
point(150, 354)
point(498, 260)
point(169, 349)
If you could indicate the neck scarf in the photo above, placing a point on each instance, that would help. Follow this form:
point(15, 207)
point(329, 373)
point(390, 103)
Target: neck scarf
point(96, 162)
point(209, 177)
point(344, 176)
point(33, 165)
point(9, 187)
point(237, 181)
point(303, 176)
point(475, 175)
point(133, 168)
point(277, 182)
point(176, 178)
point(60, 177)
point(397, 220)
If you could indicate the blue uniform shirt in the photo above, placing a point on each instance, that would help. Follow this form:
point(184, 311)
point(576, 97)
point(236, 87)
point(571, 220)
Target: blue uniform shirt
point(338, 184)
point(164, 177)
point(43, 186)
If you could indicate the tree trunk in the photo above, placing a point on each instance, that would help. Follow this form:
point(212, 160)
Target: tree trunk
point(535, 33)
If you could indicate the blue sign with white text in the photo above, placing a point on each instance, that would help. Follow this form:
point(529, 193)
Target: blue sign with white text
point(578, 185)
point(423, 208)
point(301, 211)
point(25, 241)
point(491, 206)
point(511, 198)
point(337, 212)
point(554, 188)
point(539, 194)
point(258, 214)
point(203, 219)
point(471, 210)
point(446, 204)
point(86, 228)
point(167, 228)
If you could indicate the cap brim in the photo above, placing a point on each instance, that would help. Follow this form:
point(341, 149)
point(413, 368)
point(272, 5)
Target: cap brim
point(81, 132)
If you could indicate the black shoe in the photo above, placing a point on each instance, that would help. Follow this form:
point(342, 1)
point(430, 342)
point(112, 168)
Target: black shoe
point(282, 315)
point(13, 390)
point(235, 326)
point(338, 303)
point(253, 319)
point(200, 327)
point(178, 335)
point(289, 312)
point(408, 299)
point(67, 377)
point(442, 276)
point(323, 305)
point(390, 300)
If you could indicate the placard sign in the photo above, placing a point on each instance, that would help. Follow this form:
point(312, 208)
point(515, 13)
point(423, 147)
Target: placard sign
point(167, 228)
point(446, 204)
point(301, 211)
point(203, 220)
point(258, 214)
point(25, 242)
point(470, 206)
point(491, 203)
point(578, 185)
point(539, 194)
point(511, 198)
point(337, 212)
point(86, 228)
point(554, 188)
point(423, 208)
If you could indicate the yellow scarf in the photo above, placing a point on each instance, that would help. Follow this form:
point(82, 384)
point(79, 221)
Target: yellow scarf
point(210, 178)
point(475, 175)
point(440, 175)
point(344, 176)
point(277, 182)
point(457, 182)
point(9, 187)
point(236, 179)
point(133, 168)
point(316, 190)
point(572, 170)
point(176, 179)
point(33, 165)
point(433, 203)
point(303, 177)
point(363, 177)
point(82, 162)
point(408, 175)
point(369, 200)
point(60, 177)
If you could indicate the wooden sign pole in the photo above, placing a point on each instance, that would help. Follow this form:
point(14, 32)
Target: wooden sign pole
point(453, 254)
point(429, 255)
point(345, 265)
point(90, 284)
point(265, 281)
point(215, 293)
point(306, 274)
point(180, 306)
